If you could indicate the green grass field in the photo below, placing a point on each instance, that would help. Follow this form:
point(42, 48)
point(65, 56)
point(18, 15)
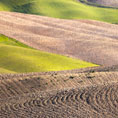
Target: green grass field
point(16, 57)
point(67, 9)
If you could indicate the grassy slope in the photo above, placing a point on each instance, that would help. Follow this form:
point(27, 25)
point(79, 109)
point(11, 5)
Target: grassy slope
point(9, 41)
point(70, 9)
point(2, 70)
point(16, 57)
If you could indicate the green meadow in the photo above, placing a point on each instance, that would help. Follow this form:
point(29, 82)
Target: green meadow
point(67, 9)
point(16, 57)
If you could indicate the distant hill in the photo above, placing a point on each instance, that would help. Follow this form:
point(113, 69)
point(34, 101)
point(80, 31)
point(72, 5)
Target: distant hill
point(67, 9)
point(109, 3)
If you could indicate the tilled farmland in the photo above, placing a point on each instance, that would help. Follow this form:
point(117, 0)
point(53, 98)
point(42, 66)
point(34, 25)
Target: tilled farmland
point(109, 3)
point(90, 94)
point(84, 93)
point(88, 40)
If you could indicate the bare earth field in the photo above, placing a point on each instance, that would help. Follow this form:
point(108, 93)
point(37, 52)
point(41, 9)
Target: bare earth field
point(89, 94)
point(110, 3)
point(84, 93)
point(88, 40)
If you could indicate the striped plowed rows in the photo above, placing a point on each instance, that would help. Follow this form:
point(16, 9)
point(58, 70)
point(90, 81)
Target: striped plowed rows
point(92, 41)
point(71, 95)
point(16, 86)
point(89, 94)
point(90, 102)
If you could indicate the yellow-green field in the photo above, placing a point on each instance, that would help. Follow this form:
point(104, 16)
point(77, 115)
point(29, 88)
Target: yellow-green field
point(17, 57)
point(68, 9)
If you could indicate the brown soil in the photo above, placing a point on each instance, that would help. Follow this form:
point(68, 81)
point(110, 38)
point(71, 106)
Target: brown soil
point(110, 3)
point(84, 93)
point(88, 40)
point(59, 95)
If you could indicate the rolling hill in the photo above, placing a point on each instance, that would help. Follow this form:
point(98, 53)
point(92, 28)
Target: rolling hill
point(59, 95)
point(67, 9)
point(88, 40)
point(47, 61)
point(17, 57)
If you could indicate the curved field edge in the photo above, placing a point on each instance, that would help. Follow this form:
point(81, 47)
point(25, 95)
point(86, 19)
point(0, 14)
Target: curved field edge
point(67, 9)
point(10, 41)
point(4, 71)
point(96, 4)
point(15, 58)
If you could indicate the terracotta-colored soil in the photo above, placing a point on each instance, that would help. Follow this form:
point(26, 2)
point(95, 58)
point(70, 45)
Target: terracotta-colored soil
point(88, 40)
